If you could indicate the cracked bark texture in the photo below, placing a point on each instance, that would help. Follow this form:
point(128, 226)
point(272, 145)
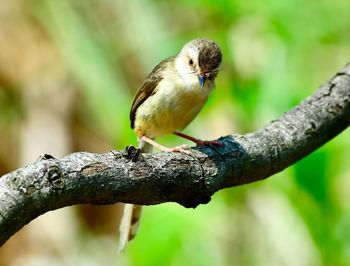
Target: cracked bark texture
point(132, 177)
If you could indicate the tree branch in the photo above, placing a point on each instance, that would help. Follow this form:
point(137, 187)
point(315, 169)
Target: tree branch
point(129, 176)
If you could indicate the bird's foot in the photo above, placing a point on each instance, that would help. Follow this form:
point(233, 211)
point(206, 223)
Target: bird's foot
point(181, 148)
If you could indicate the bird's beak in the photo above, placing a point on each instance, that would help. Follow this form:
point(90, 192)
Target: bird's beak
point(201, 79)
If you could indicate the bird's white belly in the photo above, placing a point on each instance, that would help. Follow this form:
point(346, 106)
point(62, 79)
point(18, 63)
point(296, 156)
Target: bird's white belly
point(171, 108)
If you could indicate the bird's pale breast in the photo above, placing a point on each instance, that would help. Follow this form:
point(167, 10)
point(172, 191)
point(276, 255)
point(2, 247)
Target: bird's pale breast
point(171, 108)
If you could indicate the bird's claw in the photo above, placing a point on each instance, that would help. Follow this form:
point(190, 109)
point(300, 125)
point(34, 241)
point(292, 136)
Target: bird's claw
point(181, 148)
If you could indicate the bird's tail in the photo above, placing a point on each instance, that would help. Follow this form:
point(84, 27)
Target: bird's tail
point(129, 224)
point(132, 213)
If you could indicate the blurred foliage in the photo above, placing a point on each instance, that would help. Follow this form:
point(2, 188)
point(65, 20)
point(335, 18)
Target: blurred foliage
point(276, 53)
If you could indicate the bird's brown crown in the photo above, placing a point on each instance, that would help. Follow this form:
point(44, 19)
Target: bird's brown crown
point(209, 55)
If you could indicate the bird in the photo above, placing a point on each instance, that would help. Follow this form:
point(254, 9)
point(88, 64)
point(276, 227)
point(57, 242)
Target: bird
point(170, 98)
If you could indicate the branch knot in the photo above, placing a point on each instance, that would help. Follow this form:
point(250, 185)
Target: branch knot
point(54, 176)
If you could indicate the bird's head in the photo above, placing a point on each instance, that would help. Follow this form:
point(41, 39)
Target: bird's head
point(199, 59)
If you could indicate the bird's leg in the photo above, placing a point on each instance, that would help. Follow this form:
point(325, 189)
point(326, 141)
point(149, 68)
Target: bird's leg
point(166, 149)
point(198, 141)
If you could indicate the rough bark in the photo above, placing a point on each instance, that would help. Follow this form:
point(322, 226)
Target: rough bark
point(129, 176)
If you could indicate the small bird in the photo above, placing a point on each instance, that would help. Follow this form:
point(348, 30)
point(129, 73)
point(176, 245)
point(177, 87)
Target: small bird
point(170, 98)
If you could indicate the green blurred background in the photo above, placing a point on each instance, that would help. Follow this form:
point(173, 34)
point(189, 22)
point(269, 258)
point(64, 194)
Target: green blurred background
point(68, 71)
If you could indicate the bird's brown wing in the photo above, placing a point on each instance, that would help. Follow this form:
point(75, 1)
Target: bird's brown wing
point(148, 88)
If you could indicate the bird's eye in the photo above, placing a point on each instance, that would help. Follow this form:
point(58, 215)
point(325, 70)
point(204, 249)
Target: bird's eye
point(190, 62)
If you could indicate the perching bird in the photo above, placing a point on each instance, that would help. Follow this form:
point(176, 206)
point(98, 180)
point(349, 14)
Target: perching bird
point(171, 97)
